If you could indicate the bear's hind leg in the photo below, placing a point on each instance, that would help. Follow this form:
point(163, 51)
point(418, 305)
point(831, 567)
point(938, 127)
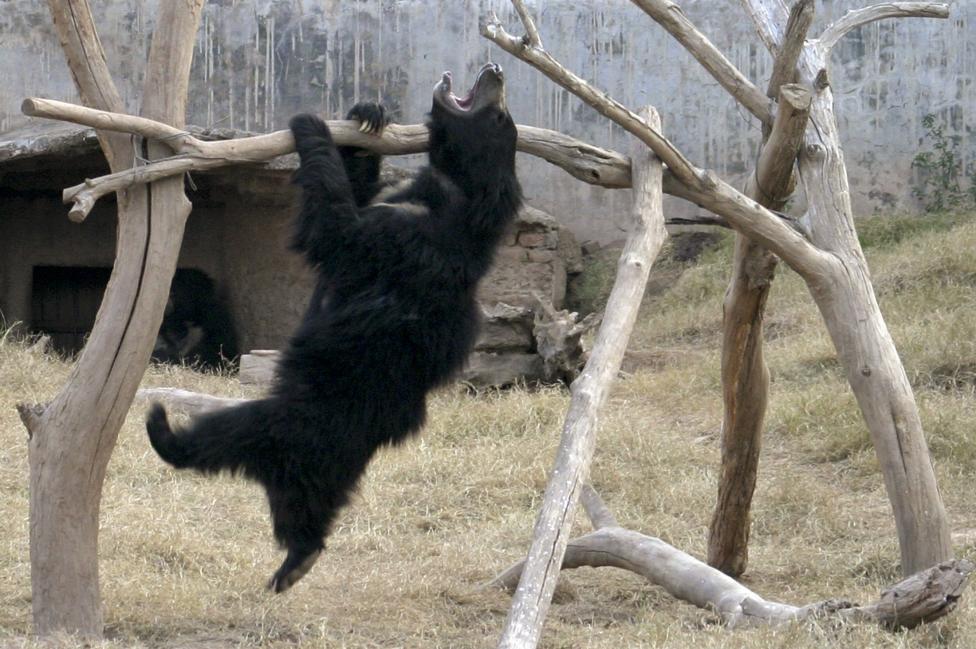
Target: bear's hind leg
point(300, 525)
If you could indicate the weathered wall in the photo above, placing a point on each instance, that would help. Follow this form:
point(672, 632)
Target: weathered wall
point(258, 62)
point(268, 288)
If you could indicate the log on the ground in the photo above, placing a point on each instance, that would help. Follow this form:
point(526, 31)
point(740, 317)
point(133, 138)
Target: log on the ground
point(923, 597)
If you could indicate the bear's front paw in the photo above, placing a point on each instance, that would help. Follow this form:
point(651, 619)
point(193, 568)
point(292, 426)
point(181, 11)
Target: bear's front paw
point(371, 116)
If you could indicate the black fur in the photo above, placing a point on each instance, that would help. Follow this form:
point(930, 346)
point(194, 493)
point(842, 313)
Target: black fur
point(393, 316)
point(197, 328)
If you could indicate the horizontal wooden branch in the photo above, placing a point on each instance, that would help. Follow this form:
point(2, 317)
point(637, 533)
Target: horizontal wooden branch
point(859, 17)
point(584, 161)
point(670, 16)
point(589, 163)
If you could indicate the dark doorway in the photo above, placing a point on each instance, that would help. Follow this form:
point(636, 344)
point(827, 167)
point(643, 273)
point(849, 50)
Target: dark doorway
point(64, 302)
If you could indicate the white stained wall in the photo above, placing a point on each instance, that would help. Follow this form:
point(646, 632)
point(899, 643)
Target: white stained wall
point(258, 62)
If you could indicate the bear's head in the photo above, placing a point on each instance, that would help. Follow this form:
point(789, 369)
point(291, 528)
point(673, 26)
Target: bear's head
point(472, 138)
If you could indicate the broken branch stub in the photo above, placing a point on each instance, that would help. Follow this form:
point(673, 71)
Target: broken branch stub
point(865, 15)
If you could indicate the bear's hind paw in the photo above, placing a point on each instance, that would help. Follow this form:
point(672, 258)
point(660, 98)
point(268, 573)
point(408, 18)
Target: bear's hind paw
point(295, 566)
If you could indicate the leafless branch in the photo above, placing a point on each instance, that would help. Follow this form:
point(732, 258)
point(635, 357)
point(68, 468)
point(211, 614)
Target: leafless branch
point(923, 597)
point(784, 63)
point(858, 17)
point(682, 169)
point(532, 38)
point(706, 188)
point(584, 161)
point(670, 16)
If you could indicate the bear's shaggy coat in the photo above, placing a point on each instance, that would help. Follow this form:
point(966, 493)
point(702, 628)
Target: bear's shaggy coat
point(393, 315)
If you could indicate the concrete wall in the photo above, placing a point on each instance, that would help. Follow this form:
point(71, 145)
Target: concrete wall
point(259, 62)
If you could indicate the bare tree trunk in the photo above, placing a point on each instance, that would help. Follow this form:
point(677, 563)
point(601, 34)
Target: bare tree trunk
point(745, 377)
point(72, 437)
point(589, 394)
point(850, 310)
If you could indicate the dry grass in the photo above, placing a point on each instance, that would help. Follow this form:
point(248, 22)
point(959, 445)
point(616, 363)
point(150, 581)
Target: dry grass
point(184, 559)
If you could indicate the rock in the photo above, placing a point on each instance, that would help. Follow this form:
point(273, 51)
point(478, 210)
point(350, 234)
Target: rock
point(257, 368)
point(486, 369)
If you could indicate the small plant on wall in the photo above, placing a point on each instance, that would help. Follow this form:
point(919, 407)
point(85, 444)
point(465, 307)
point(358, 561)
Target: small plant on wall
point(940, 180)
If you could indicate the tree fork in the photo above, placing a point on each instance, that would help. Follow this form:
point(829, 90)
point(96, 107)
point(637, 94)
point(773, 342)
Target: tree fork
point(72, 438)
point(848, 304)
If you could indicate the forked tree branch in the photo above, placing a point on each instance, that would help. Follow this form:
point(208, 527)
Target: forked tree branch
point(859, 17)
point(857, 329)
point(707, 189)
point(670, 16)
point(592, 164)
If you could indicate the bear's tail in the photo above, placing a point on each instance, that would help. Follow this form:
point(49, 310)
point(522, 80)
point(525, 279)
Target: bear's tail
point(232, 439)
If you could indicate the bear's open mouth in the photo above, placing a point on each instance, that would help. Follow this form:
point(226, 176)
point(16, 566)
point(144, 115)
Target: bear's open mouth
point(488, 89)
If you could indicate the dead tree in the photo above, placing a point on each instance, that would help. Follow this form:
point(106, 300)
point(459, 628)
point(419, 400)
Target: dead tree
point(831, 262)
point(71, 438)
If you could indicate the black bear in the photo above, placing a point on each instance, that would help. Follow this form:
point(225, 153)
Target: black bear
point(197, 328)
point(393, 315)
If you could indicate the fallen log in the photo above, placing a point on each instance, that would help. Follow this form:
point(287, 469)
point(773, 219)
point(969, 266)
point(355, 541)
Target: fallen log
point(924, 596)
